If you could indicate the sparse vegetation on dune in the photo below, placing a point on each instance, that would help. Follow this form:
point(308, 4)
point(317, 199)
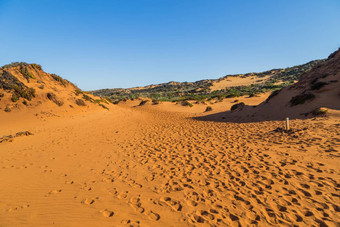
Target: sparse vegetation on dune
point(201, 90)
point(10, 83)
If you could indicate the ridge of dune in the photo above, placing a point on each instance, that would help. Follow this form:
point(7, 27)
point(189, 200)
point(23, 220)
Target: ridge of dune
point(26, 86)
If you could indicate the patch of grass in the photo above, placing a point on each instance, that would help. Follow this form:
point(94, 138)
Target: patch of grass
point(301, 99)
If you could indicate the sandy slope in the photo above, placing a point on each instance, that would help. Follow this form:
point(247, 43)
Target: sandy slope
point(150, 166)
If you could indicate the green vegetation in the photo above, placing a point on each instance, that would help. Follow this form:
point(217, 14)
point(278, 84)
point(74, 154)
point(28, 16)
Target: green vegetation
point(186, 103)
point(320, 111)
point(200, 90)
point(51, 96)
point(19, 90)
point(105, 107)
point(60, 80)
point(155, 102)
point(23, 70)
point(80, 102)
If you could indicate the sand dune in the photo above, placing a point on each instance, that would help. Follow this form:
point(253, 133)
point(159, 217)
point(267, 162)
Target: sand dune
point(150, 167)
point(166, 164)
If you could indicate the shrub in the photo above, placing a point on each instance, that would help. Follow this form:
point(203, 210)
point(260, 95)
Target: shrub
point(209, 108)
point(41, 86)
point(2, 95)
point(36, 66)
point(59, 79)
point(23, 70)
point(186, 103)
point(78, 91)
point(88, 98)
point(238, 106)
point(7, 109)
point(102, 105)
point(301, 99)
point(80, 102)
point(15, 97)
point(155, 102)
point(318, 85)
point(51, 96)
point(320, 111)
point(143, 102)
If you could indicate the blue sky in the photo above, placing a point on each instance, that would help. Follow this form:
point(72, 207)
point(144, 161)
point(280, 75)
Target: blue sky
point(126, 43)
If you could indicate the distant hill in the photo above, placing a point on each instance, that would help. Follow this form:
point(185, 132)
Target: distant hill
point(24, 85)
point(227, 86)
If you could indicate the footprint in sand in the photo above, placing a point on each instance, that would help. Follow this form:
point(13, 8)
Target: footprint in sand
point(88, 201)
point(175, 205)
point(107, 213)
point(152, 215)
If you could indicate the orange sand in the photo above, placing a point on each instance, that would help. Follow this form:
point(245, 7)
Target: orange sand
point(155, 165)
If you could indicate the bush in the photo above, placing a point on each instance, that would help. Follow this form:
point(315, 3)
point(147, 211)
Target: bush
point(7, 109)
point(23, 70)
point(80, 102)
point(186, 103)
point(36, 66)
point(88, 98)
point(143, 102)
point(59, 79)
point(15, 98)
point(102, 105)
point(318, 85)
point(320, 111)
point(51, 96)
point(155, 102)
point(209, 108)
point(301, 99)
point(238, 106)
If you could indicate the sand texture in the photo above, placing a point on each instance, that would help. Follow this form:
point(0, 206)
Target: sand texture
point(146, 166)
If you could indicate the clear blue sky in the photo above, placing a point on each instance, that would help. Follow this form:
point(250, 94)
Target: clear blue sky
point(125, 43)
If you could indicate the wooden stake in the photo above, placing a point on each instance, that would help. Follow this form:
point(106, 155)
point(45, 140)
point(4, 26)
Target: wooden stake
point(287, 124)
